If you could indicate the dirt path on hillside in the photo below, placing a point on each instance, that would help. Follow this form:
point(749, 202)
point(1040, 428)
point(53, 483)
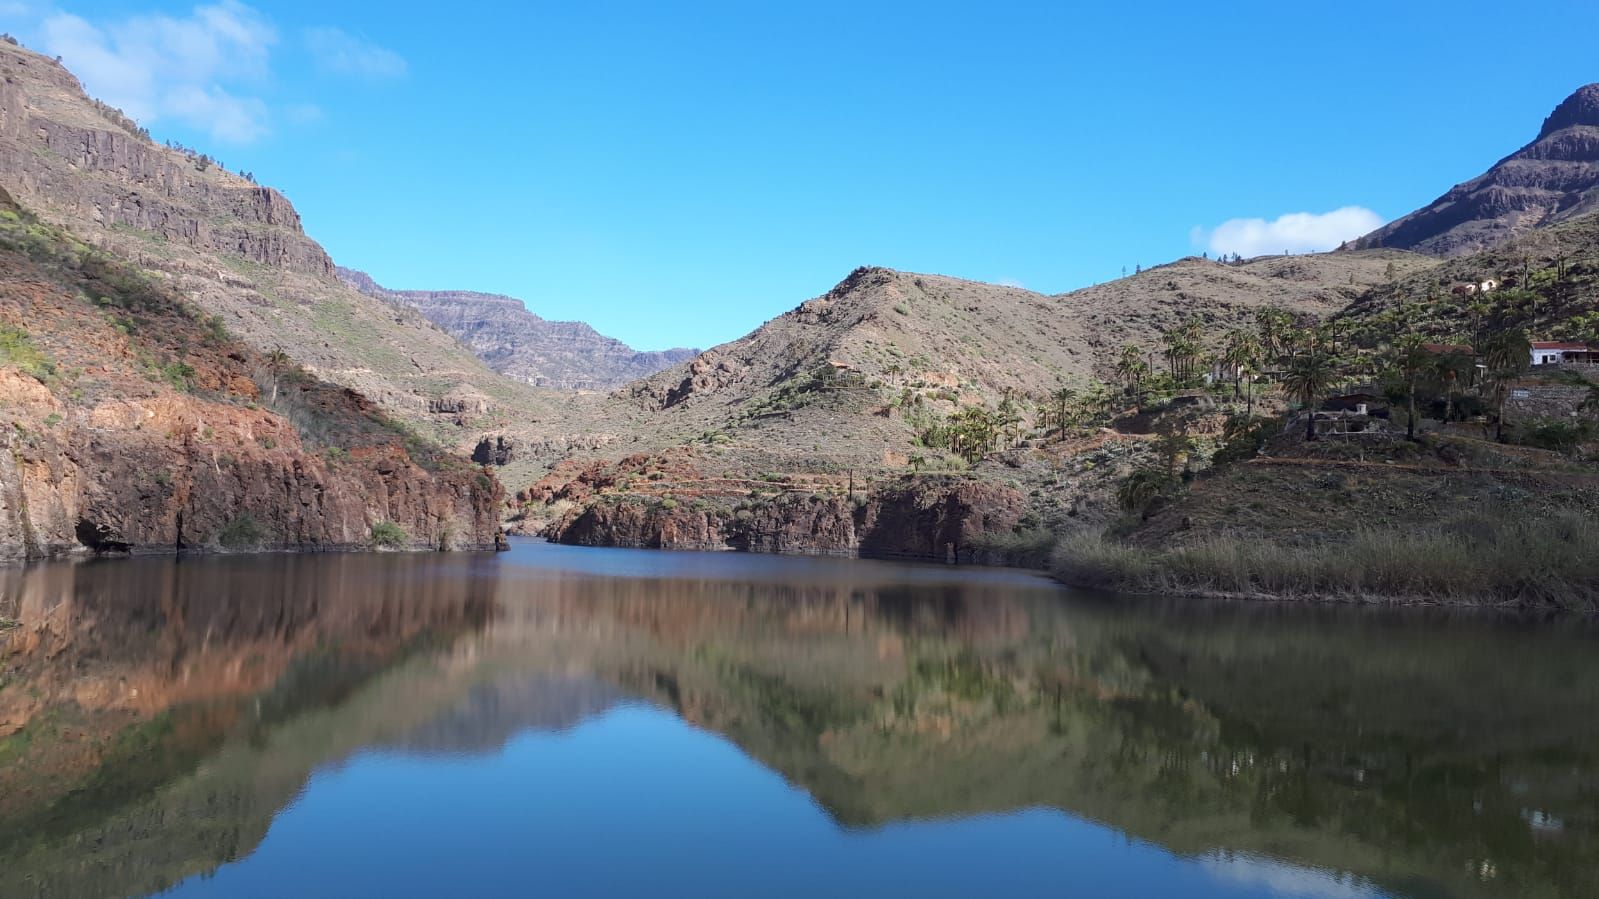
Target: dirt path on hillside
point(1567, 477)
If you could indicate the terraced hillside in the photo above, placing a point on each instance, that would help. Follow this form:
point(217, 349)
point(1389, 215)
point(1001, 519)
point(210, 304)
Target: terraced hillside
point(1546, 281)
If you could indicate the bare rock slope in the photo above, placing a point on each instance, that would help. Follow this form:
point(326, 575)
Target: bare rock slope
point(1551, 180)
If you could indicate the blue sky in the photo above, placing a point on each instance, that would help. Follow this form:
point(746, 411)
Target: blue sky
point(675, 173)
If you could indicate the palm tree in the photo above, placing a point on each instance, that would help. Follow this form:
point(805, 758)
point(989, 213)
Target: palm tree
point(1478, 311)
point(1131, 367)
point(1247, 373)
point(1008, 422)
point(1411, 359)
point(277, 362)
point(1062, 396)
point(1241, 350)
point(1446, 368)
point(1182, 350)
point(1507, 355)
point(1273, 323)
point(1310, 377)
point(973, 431)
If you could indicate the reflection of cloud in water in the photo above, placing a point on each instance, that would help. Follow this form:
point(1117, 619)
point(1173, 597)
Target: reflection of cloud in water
point(1284, 879)
point(490, 714)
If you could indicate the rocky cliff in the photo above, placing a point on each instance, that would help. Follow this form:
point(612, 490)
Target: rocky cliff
point(133, 422)
point(1553, 179)
point(236, 250)
point(922, 518)
point(521, 345)
point(55, 143)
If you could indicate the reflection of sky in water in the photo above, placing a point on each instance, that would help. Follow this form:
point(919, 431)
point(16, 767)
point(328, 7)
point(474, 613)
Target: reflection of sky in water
point(576, 721)
point(1283, 879)
point(636, 802)
point(557, 559)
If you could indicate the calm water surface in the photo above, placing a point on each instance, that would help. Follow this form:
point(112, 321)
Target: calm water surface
point(556, 721)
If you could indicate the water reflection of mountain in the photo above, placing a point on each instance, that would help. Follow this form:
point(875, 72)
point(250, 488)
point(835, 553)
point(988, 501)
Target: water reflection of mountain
point(1434, 755)
point(489, 714)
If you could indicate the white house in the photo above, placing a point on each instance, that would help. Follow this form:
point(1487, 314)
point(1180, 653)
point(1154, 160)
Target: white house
point(1547, 352)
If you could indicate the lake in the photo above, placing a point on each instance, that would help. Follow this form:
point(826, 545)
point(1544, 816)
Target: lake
point(587, 722)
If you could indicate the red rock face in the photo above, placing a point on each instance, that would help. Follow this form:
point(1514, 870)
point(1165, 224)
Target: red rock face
point(917, 518)
point(130, 423)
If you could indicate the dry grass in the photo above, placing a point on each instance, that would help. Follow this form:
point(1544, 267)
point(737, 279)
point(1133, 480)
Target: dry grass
point(1499, 557)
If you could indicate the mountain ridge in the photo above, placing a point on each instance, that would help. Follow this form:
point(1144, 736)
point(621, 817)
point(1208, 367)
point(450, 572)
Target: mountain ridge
point(518, 343)
point(1553, 179)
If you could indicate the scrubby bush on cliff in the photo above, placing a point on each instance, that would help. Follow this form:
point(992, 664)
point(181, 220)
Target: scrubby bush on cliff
point(389, 535)
point(1141, 489)
point(17, 349)
point(242, 533)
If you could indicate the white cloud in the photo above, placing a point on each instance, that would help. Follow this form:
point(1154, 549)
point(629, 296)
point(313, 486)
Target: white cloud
point(1296, 232)
point(342, 53)
point(157, 67)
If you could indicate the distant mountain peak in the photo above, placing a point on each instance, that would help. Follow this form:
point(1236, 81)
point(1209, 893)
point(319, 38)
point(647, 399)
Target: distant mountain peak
point(1551, 180)
point(515, 342)
point(1579, 109)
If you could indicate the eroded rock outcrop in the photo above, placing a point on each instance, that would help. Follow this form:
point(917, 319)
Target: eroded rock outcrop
point(925, 518)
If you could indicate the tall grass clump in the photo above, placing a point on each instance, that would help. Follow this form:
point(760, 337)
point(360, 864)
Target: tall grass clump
point(1501, 556)
point(1022, 549)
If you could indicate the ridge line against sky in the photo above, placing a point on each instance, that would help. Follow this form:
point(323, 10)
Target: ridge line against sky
point(675, 177)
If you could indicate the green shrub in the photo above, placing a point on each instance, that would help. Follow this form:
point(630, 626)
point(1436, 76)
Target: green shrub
point(1560, 435)
point(388, 534)
point(17, 349)
point(242, 532)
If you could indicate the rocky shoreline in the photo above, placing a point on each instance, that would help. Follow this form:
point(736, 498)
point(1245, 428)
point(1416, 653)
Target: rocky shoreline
point(909, 519)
